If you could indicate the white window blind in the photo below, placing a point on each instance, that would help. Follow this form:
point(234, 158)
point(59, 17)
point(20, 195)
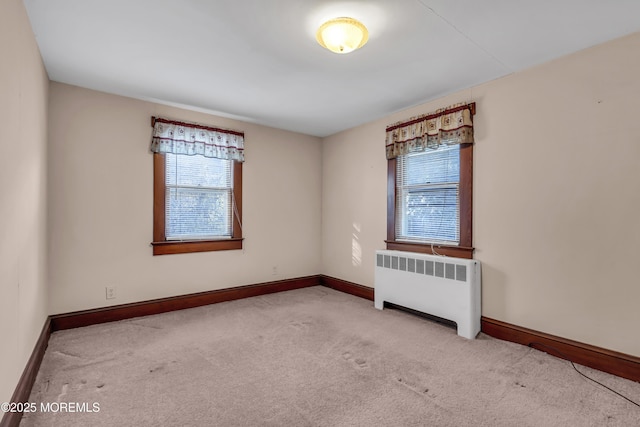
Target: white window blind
point(199, 199)
point(427, 196)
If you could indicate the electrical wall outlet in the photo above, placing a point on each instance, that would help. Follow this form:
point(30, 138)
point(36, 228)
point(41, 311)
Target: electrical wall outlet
point(274, 270)
point(110, 292)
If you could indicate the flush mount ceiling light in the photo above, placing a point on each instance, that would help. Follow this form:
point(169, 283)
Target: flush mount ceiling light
point(342, 35)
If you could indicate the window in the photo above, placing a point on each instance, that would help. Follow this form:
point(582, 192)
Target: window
point(197, 198)
point(428, 208)
point(197, 204)
point(427, 196)
point(429, 186)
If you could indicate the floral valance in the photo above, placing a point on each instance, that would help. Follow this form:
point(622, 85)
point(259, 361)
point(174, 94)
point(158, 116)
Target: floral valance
point(447, 126)
point(174, 137)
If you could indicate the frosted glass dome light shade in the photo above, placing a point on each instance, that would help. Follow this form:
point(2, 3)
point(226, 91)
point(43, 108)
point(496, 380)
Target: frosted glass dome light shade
point(342, 35)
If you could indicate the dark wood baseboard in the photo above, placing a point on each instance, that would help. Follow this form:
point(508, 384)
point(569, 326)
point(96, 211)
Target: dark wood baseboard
point(25, 384)
point(620, 364)
point(347, 287)
point(145, 308)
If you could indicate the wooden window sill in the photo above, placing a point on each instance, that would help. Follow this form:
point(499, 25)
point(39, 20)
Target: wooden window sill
point(189, 246)
point(426, 248)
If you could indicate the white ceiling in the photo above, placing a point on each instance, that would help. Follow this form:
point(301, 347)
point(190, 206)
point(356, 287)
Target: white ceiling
point(258, 60)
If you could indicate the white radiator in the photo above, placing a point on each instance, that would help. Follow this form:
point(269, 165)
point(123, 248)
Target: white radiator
point(441, 286)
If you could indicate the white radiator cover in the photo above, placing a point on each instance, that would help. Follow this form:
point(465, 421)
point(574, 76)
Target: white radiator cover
point(446, 287)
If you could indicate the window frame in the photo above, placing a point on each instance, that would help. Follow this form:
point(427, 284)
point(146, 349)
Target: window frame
point(465, 247)
point(162, 246)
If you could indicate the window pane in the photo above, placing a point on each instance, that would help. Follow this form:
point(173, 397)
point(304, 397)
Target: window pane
point(433, 166)
point(194, 213)
point(197, 171)
point(427, 196)
point(198, 197)
point(431, 214)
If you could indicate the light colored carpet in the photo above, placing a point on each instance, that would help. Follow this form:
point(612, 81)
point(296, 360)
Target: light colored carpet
point(313, 357)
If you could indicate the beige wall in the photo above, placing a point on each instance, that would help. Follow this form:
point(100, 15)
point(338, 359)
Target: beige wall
point(556, 196)
point(23, 124)
point(101, 205)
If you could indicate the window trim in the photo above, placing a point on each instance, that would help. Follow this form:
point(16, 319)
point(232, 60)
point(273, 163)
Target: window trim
point(465, 248)
point(162, 246)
